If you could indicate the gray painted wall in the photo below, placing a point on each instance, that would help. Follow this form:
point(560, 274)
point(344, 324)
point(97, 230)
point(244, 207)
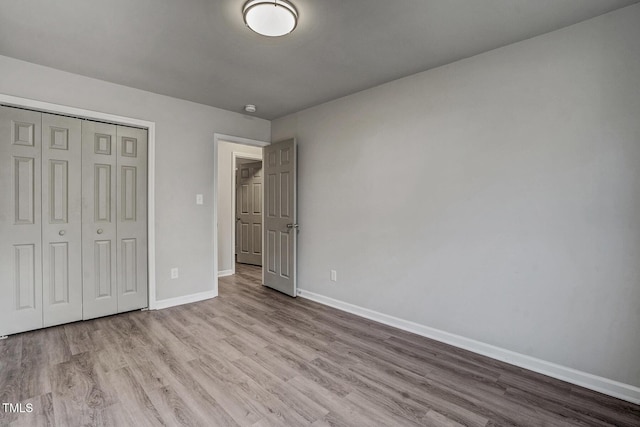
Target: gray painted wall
point(226, 221)
point(497, 198)
point(184, 160)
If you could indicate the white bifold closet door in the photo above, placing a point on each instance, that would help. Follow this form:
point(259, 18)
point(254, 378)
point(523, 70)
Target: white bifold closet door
point(20, 221)
point(61, 219)
point(114, 211)
point(73, 228)
point(131, 214)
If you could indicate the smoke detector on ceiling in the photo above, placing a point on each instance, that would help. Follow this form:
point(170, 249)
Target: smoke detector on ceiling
point(250, 108)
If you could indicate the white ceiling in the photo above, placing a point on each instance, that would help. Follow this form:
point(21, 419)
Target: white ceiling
point(201, 51)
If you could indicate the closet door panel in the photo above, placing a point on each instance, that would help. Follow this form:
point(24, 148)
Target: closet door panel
point(131, 218)
point(61, 219)
point(20, 221)
point(99, 220)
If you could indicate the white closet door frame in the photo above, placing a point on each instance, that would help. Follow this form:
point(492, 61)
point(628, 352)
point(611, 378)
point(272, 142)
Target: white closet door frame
point(47, 107)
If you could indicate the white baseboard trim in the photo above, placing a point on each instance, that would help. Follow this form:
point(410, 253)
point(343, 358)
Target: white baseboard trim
point(224, 273)
point(609, 387)
point(187, 299)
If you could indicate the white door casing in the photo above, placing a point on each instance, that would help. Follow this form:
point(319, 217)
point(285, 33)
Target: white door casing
point(280, 216)
point(236, 216)
point(249, 213)
point(217, 139)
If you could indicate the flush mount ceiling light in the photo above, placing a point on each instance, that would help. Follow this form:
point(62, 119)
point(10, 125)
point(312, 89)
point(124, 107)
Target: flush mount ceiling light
point(271, 18)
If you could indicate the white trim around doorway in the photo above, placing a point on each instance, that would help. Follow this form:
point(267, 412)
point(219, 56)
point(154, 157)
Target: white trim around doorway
point(47, 107)
point(217, 138)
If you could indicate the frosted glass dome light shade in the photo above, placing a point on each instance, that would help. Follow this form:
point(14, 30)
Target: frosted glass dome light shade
point(271, 18)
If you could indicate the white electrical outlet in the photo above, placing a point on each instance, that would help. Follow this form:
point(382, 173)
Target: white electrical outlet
point(199, 199)
point(334, 276)
point(174, 273)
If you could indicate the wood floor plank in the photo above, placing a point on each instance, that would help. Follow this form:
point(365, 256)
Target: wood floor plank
point(606, 408)
point(407, 392)
point(273, 420)
point(341, 411)
point(436, 419)
point(56, 345)
point(39, 413)
point(10, 374)
point(133, 398)
point(383, 410)
point(537, 400)
point(261, 399)
point(80, 392)
point(282, 360)
point(172, 408)
point(279, 389)
point(243, 410)
point(255, 357)
point(183, 381)
point(160, 333)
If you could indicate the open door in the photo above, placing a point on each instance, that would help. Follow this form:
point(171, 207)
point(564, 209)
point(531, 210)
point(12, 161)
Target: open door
point(280, 227)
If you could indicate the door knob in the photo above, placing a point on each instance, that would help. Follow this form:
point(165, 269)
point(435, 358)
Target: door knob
point(238, 219)
point(99, 230)
point(61, 232)
point(296, 226)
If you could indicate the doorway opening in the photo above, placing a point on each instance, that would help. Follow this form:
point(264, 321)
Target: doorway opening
point(238, 221)
point(260, 215)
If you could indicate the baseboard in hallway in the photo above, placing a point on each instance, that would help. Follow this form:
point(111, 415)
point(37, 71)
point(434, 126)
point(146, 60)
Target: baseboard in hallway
point(225, 273)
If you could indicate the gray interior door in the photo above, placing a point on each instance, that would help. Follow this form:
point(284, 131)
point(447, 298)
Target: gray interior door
point(99, 237)
point(131, 230)
point(61, 219)
point(280, 227)
point(249, 213)
point(20, 221)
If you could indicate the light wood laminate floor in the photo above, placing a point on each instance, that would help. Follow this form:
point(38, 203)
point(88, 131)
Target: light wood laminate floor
point(254, 357)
